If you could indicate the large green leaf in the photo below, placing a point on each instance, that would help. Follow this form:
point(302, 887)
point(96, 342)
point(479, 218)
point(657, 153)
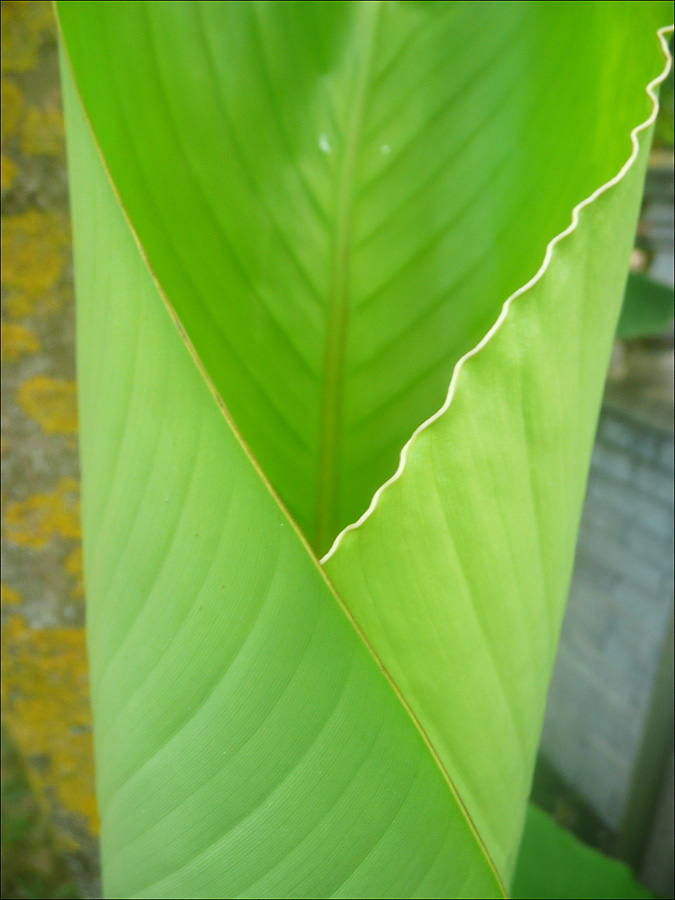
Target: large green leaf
point(247, 744)
point(331, 204)
point(552, 863)
point(338, 197)
point(463, 562)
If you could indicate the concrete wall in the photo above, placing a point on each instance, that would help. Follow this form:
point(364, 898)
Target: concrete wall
point(618, 614)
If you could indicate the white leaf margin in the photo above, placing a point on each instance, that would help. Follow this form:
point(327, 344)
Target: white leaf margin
point(663, 34)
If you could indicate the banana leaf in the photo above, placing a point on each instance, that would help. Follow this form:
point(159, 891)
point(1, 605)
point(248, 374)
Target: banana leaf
point(347, 276)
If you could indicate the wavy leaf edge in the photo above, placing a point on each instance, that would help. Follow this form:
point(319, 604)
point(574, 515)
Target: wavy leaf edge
point(651, 90)
point(663, 35)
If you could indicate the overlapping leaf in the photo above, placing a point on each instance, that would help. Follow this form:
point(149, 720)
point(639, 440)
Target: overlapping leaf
point(336, 199)
point(247, 743)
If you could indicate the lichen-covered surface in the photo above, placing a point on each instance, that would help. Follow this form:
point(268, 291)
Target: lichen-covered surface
point(44, 672)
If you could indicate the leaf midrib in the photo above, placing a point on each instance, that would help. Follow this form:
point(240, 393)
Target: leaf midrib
point(326, 521)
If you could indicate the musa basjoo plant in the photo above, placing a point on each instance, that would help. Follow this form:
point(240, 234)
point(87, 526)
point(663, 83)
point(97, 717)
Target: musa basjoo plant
point(348, 276)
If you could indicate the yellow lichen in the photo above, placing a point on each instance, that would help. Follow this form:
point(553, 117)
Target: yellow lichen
point(44, 680)
point(73, 565)
point(21, 305)
point(51, 402)
point(33, 257)
point(34, 521)
point(42, 132)
point(16, 339)
point(11, 99)
point(9, 597)
point(23, 27)
point(7, 172)
point(45, 700)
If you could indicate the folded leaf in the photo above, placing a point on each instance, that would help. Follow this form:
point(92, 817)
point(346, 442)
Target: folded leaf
point(247, 744)
point(459, 571)
point(552, 863)
point(339, 197)
point(295, 224)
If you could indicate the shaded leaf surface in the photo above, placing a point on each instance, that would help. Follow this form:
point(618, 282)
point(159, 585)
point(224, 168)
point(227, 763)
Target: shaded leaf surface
point(648, 307)
point(552, 863)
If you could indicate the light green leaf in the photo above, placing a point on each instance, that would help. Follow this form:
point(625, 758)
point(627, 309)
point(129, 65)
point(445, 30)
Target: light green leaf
point(458, 572)
point(247, 744)
point(331, 204)
point(648, 307)
point(552, 863)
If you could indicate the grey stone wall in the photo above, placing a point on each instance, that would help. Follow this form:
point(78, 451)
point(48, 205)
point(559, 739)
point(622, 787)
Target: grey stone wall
point(618, 613)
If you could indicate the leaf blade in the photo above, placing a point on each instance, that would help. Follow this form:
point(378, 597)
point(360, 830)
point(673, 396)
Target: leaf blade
point(240, 723)
point(553, 863)
point(462, 562)
point(321, 187)
point(298, 460)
